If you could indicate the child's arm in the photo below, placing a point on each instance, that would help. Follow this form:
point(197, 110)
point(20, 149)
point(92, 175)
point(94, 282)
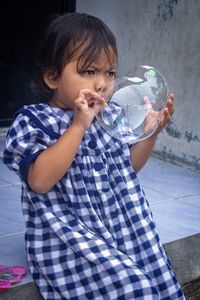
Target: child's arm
point(140, 152)
point(51, 165)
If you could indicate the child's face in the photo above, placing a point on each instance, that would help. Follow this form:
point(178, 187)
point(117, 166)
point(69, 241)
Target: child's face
point(98, 77)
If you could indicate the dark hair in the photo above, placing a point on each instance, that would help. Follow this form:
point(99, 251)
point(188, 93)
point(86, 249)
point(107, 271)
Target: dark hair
point(69, 35)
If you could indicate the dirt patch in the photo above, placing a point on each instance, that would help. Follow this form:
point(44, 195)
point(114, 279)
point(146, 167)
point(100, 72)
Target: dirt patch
point(192, 290)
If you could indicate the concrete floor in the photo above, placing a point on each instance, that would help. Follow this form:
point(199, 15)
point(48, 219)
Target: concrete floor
point(173, 193)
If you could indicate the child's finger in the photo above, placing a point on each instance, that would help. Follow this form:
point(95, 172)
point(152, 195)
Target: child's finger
point(170, 104)
point(165, 117)
point(147, 103)
point(93, 98)
point(89, 94)
point(80, 102)
point(171, 96)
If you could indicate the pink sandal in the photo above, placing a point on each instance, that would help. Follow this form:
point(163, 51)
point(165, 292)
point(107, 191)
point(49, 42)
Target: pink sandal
point(10, 276)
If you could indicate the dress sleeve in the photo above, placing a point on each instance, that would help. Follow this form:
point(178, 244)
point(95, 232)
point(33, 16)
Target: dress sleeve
point(24, 142)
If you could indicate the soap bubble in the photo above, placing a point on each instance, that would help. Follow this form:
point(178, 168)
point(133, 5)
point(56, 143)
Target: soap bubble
point(134, 111)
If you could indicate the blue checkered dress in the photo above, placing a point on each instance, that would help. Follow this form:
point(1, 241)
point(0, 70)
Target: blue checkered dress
point(92, 235)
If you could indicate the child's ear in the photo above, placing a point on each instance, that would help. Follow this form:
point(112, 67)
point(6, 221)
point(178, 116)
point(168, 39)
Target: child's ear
point(50, 79)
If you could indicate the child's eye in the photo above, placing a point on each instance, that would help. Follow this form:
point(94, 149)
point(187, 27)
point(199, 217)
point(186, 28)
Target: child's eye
point(88, 72)
point(111, 74)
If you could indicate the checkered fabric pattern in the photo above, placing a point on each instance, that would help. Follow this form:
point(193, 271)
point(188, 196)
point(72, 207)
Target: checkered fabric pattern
point(92, 236)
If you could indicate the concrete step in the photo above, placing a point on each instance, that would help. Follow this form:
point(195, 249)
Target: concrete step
point(184, 256)
point(27, 291)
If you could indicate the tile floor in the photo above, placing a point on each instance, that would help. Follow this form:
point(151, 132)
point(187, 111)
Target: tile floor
point(173, 193)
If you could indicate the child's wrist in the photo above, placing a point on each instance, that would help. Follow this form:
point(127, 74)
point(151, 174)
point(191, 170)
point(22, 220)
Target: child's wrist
point(79, 128)
point(153, 137)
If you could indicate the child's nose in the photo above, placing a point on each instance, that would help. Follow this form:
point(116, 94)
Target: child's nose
point(100, 84)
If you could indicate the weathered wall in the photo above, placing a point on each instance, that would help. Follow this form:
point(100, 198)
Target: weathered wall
point(166, 35)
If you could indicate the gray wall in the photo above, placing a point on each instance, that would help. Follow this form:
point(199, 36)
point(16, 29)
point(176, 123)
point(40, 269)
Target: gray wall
point(166, 35)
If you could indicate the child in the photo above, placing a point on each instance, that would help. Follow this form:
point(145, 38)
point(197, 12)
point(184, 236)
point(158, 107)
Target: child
point(89, 228)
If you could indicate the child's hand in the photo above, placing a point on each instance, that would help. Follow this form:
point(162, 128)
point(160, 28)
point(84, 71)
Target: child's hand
point(141, 151)
point(162, 117)
point(166, 114)
point(87, 106)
